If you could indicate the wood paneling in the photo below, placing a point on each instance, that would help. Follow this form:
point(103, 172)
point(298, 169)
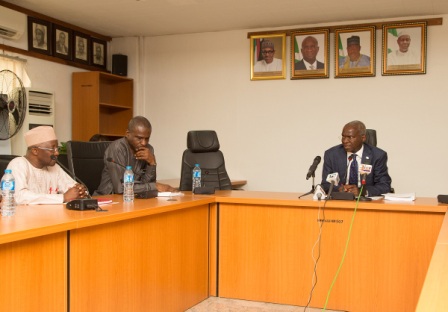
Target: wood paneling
point(265, 255)
point(155, 263)
point(34, 274)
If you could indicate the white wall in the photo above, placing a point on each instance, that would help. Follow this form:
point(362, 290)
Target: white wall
point(270, 131)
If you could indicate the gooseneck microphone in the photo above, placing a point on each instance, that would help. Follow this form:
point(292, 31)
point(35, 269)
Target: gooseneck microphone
point(82, 203)
point(111, 160)
point(73, 175)
point(313, 167)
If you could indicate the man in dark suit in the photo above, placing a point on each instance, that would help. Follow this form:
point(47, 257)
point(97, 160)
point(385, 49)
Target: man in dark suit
point(345, 158)
point(310, 48)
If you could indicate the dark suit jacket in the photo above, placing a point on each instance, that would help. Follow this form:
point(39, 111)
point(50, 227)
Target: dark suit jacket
point(301, 65)
point(377, 182)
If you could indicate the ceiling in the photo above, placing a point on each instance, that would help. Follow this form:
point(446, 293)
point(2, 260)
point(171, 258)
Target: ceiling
point(124, 18)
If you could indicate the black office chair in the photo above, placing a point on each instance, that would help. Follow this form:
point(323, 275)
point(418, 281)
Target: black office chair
point(371, 140)
point(203, 149)
point(4, 161)
point(371, 137)
point(86, 162)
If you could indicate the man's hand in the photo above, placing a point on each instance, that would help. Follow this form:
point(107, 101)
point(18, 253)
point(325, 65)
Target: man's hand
point(77, 191)
point(145, 154)
point(350, 188)
point(165, 187)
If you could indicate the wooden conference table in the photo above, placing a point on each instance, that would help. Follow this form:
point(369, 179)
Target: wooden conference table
point(162, 255)
point(236, 184)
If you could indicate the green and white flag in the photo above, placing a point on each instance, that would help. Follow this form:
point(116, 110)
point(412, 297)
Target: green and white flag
point(392, 36)
point(341, 48)
point(297, 57)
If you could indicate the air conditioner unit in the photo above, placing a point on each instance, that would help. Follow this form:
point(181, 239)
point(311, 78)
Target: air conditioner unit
point(39, 112)
point(12, 23)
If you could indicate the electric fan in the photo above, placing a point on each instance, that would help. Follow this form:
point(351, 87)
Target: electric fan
point(12, 104)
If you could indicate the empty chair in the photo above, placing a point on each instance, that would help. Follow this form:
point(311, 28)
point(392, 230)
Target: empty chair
point(86, 162)
point(203, 149)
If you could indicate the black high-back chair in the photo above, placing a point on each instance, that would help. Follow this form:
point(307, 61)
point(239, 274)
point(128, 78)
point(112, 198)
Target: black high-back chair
point(203, 149)
point(86, 162)
point(371, 137)
point(4, 161)
point(371, 140)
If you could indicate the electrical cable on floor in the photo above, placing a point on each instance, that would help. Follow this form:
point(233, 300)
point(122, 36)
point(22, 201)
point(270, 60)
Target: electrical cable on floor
point(345, 249)
point(314, 279)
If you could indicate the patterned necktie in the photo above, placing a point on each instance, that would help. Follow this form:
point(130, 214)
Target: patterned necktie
point(311, 67)
point(353, 179)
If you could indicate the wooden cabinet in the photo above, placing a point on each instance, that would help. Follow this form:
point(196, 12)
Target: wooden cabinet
point(101, 104)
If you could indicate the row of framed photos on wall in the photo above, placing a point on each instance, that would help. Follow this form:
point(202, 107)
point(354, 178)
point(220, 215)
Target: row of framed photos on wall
point(403, 52)
point(55, 40)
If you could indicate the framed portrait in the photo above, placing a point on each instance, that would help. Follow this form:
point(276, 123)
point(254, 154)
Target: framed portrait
point(268, 57)
point(39, 36)
point(404, 49)
point(81, 48)
point(310, 54)
point(62, 42)
point(355, 52)
point(99, 53)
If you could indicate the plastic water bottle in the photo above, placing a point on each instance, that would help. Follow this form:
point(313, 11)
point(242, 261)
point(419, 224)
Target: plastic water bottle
point(128, 185)
point(196, 177)
point(8, 187)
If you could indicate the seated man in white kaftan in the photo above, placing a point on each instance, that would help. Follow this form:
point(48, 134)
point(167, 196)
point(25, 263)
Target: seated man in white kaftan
point(38, 178)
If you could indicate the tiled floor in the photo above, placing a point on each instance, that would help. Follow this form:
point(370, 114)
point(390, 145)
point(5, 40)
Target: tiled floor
point(214, 304)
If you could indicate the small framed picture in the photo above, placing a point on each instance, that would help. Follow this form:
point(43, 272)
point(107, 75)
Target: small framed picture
point(81, 48)
point(99, 53)
point(355, 52)
point(39, 36)
point(404, 49)
point(310, 54)
point(62, 42)
point(268, 57)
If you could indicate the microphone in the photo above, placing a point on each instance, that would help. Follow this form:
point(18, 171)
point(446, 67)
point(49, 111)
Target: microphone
point(73, 175)
point(333, 178)
point(313, 167)
point(364, 170)
point(111, 160)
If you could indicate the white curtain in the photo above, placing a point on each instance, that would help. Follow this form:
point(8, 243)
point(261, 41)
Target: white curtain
point(17, 66)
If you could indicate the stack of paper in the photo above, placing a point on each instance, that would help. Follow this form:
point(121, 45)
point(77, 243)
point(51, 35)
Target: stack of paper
point(169, 194)
point(104, 201)
point(400, 197)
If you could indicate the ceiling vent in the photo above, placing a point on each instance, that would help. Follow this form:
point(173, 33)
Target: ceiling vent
point(12, 23)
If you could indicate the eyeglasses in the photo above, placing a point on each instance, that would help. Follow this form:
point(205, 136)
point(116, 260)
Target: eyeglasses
point(52, 149)
point(268, 52)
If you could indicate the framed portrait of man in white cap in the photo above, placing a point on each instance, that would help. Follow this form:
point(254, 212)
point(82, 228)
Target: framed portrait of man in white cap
point(404, 49)
point(39, 36)
point(268, 57)
point(355, 52)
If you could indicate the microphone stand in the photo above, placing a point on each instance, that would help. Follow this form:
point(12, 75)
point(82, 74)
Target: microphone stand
point(312, 188)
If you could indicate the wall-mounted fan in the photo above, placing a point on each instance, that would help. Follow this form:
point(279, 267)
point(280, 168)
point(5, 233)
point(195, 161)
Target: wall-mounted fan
point(12, 104)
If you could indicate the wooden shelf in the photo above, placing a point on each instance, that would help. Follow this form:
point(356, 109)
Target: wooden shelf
point(102, 103)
